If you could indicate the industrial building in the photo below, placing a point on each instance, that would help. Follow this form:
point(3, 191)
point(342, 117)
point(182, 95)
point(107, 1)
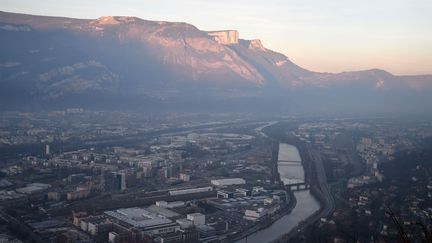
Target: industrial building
point(165, 204)
point(255, 214)
point(196, 218)
point(33, 188)
point(228, 182)
point(190, 191)
point(146, 221)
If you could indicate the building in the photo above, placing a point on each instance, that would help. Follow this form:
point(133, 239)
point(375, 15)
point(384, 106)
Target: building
point(143, 220)
point(33, 188)
point(54, 196)
point(114, 181)
point(196, 218)
point(189, 234)
point(242, 192)
point(225, 194)
point(184, 177)
point(168, 171)
point(190, 191)
point(206, 233)
point(256, 214)
point(78, 194)
point(174, 237)
point(165, 204)
point(114, 237)
point(121, 180)
point(184, 223)
point(47, 150)
point(165, 212)
point(228, 182)
point(95, 225)
point(77, 216)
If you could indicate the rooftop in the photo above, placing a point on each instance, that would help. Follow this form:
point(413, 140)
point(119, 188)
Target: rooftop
point(228, 181)
point(33, 187)
point(138, 217)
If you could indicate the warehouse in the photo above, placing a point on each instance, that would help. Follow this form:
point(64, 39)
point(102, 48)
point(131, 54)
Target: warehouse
point(146, 221)
point(228, 182)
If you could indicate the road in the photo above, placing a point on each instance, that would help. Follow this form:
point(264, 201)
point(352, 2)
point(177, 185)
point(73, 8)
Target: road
point(322, 182)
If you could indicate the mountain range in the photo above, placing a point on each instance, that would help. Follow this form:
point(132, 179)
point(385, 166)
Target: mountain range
point(126, 62)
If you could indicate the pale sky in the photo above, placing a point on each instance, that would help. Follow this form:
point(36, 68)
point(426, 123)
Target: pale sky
point(320, 35)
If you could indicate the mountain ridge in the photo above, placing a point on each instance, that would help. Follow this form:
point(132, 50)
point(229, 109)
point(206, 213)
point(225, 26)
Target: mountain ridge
point(49, 58)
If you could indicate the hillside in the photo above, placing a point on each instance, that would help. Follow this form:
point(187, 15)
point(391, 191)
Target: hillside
point(123, 61)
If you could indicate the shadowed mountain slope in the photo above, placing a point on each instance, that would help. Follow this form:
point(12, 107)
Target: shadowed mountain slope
point(126, 62)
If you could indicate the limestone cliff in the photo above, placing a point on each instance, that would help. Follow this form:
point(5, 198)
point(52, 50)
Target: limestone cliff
point(225, 37)
point(116, 59)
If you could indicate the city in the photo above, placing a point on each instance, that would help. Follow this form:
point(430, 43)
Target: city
point(218, 181)
point(201, 121)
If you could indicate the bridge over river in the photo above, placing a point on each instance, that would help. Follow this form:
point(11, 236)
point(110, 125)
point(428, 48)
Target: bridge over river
point(291, 172)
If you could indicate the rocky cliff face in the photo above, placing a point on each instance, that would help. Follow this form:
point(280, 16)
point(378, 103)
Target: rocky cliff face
point(253, 44)
point(225, 37)
point(119, 58)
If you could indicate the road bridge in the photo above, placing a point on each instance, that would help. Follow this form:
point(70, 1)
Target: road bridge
point(299, 186)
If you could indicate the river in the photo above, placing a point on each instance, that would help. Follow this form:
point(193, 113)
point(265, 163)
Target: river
point(290, 166)
point(290, 170)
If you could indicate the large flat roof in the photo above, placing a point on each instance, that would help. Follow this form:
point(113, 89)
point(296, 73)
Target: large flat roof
point(33, 187)
point(138, 217)
point(228, 181)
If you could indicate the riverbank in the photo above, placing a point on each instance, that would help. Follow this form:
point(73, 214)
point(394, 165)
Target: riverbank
point(306, 206)
point(242, 237)
point(283, 212)
point(321, 192)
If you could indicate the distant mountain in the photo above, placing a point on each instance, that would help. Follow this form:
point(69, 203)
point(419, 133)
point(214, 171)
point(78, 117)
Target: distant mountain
point(115, 62)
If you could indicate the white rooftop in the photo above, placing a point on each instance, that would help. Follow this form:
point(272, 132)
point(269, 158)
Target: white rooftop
point(138, 217)
point(228, 181)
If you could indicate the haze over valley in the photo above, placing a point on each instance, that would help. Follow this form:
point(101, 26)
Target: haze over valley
point(206, 121)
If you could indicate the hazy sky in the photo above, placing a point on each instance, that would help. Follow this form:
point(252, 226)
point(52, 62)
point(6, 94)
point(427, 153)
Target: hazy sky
point(321, 35)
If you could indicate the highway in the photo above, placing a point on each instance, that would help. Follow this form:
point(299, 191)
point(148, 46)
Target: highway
point(329, 206)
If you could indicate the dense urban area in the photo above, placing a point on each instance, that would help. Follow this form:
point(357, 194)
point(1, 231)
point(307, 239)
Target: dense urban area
point(85, 176)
